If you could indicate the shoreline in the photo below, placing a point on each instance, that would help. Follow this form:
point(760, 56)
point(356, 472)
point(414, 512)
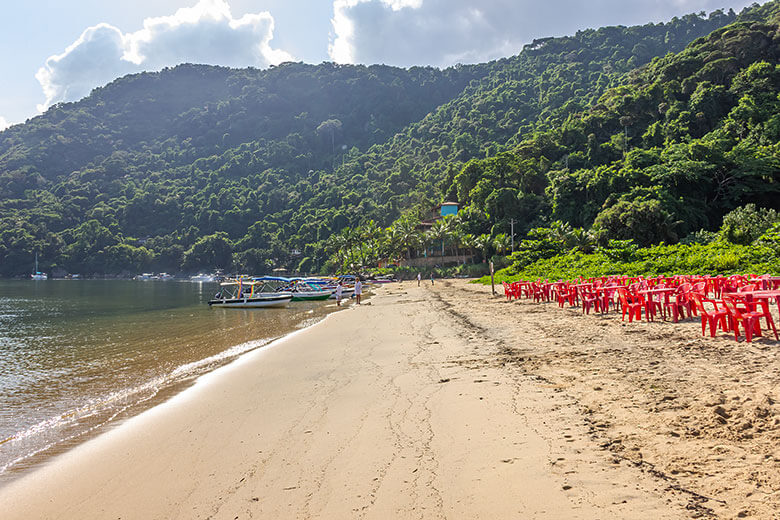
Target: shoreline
point(389, 409)
point(165, 386)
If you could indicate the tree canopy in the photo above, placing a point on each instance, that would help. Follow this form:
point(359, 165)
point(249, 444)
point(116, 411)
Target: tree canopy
point(649, 132)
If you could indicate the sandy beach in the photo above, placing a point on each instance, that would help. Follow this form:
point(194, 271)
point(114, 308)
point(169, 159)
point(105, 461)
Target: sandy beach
point(445, 402)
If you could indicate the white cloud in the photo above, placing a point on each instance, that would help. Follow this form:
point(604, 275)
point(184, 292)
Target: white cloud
point(3, 123)
point(205, 33)
point(445, 32)
point(93, 59)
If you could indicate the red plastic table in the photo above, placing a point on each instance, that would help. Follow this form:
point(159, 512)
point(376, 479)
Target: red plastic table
point(759, 294)
point(649, 293)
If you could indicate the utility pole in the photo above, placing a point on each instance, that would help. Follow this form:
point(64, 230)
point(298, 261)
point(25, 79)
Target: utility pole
point(512, 233)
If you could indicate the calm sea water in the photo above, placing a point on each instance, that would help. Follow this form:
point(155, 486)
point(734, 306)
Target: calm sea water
point(79, 356)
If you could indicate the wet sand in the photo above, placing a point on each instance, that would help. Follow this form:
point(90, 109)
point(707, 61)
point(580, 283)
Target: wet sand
point(444, 402)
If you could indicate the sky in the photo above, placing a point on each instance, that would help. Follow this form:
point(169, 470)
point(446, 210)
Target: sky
point(59, 50)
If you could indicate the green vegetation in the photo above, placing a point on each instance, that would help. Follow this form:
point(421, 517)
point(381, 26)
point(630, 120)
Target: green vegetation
point(717, 253)
point(647, 134)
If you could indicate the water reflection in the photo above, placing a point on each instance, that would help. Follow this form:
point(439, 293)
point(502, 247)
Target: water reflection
point(75, 355)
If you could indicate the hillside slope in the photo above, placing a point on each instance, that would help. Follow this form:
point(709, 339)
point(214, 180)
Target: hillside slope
point(669, 150)
point(195, 167)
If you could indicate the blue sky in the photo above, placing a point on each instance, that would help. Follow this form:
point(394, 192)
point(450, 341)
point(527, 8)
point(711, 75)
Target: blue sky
point(58, 50)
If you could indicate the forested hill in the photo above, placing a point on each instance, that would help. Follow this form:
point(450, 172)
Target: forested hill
point(194, 111)
point(551, 79)
point(190, 151)
point(668, 151)
point(200, 167)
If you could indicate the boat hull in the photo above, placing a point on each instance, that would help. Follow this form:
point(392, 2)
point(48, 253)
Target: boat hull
point(346, 294)
point(252, 303)
point(310, 296)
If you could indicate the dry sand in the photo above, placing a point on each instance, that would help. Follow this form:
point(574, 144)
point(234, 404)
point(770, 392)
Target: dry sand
point(444, 402)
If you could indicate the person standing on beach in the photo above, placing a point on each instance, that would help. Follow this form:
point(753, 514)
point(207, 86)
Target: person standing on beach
point(431, 277)
point(419, 277)
point(339, 290)
point(358, 290)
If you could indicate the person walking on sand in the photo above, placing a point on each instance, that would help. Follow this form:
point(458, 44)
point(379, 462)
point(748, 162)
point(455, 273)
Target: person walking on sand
point(419, 277)
point(431, 277)
point(339, 290)
point(358, 290)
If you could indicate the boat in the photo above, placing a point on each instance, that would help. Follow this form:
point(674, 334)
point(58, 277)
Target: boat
point(304, 291)
point(249, 294)
point(330, 284)
point(203, 278)
point(37, 275)
point(301, 289)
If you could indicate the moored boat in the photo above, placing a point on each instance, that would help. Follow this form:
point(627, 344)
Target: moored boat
point(330, 284)
point(250, 294)
point(37, 275)
point(301, 289)
point(203, 278)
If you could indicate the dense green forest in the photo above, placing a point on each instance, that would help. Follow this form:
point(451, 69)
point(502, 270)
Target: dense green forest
point(649, 133)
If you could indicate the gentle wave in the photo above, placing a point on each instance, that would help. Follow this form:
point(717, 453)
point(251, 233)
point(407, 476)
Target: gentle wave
point(72, 424)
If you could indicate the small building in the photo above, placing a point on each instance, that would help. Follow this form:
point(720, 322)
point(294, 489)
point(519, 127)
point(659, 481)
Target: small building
point(448, 208)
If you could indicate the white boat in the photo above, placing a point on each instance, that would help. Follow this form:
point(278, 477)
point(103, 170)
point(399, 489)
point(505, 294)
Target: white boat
point(346, 293)
point(203, 278)
point(250, 294)
point(330, 284)
point(303, 290)
point(37, 275)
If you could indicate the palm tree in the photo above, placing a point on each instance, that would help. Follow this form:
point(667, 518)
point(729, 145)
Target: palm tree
point(583, 240)
point(407, 234)
point(468, 240)
point(349, 237)
point(338, 246)
point(484, 242)
point(560, 231)
point(369, 234)
point(501, 243)
point(393, 245)
point(458, 241)
point(441, 231)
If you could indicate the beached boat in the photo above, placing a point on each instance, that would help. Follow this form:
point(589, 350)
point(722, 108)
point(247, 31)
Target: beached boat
point(305, 291)
point(330, 284)
point(37, 275)
point(249, 294)
point(300, 288)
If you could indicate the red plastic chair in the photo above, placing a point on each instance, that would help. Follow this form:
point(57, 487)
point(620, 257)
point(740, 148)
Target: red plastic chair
point(565, 294)
point(711, 318)
point(589, 300)
point(680, 302)
point(631, 305)
point(751, 321)
point(537, 291)
point(608, 297)
point(507, 291)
